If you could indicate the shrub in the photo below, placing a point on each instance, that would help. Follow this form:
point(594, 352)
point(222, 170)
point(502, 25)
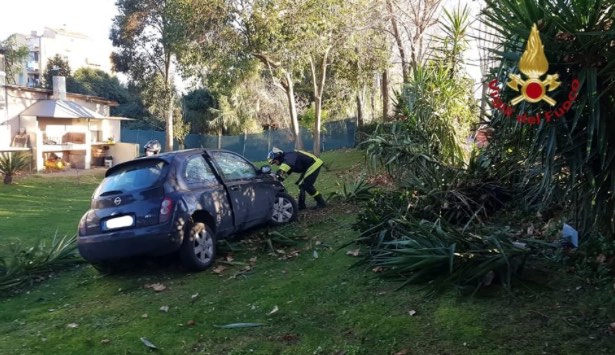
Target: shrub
point(11, 163)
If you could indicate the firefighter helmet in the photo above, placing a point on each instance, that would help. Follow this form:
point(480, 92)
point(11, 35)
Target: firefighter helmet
point(275, 155)
point(152, 147)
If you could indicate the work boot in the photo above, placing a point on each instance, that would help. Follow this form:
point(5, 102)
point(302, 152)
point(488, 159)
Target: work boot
point(320, 202)
point(301, 203)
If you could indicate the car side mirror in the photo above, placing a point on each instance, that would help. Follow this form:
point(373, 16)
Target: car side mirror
point(265, 169)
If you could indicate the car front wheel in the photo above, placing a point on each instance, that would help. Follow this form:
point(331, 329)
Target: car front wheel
point(198, 251)
point(284, 209)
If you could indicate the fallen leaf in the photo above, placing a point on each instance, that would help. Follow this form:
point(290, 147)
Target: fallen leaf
point(148, 343)
point(72, 325)
point(164, 308)
point(218, 269)
point(195, 295)
point(355, 252)
point(275, 309)
point(378, 269)
point(105, 341)
point(144, 315)
point(403, 352)
point(158, 287)
point(315, 254)
point(253, 260)
point(612, 327)
point(239, 325)
point(412, 312)
point(600, 259)
point(190, 323)
point(229, 258)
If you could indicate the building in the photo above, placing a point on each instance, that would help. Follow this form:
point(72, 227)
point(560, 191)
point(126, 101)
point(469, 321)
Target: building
point(55, 125)
point(76, 48)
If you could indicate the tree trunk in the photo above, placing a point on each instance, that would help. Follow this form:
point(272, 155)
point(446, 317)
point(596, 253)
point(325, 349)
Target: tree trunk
point(483, 102)
point(169, 108)
point(385, 95)
point(287, 85)
point(398, 41)
point(292, 109)
point(360, 113)
point(8, 179)
point(220, 139)
point(319, 77)
point(317, 123)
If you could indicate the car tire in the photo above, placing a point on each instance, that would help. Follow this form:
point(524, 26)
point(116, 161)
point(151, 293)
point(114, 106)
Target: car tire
point(284, 209)
point(198, 251)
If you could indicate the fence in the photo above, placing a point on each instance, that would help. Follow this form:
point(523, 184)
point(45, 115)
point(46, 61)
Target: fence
point(334, 135)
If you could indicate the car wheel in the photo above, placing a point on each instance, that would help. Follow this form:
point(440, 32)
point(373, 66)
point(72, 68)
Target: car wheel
point(198, 251)
point(284, 209)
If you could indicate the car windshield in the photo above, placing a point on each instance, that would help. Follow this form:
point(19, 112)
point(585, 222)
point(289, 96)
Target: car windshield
point(137, 176)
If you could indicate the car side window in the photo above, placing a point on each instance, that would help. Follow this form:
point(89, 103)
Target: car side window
point(233, 166)
point(197, 171)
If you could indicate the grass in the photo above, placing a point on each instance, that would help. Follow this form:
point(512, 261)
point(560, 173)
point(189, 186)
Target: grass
point(324, 305)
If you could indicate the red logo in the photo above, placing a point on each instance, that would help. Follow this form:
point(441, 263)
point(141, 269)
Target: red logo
point(534, 65)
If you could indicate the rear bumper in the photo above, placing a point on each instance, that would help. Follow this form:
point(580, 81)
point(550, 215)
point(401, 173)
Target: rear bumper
point(145, 241)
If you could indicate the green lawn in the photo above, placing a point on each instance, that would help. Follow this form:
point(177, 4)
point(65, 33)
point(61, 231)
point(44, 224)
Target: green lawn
point(307, 298)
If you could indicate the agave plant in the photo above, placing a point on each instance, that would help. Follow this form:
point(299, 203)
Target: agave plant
point(10, 163)
point(25, 264)
point(570, 161)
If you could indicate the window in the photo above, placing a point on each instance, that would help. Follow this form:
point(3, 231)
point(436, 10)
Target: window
point(233, 166)
point(197, 171)
point(33, 56)
point(137, 176)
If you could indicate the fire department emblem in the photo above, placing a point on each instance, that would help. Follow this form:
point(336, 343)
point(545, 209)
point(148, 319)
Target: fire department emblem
point(534, 65)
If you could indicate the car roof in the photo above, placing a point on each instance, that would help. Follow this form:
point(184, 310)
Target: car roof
point(167, 157)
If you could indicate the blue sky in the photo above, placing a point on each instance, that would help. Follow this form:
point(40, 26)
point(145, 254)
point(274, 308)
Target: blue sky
point(90, 17)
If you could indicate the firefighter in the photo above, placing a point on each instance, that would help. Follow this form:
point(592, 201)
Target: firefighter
point(152, 147)
point(308, 165)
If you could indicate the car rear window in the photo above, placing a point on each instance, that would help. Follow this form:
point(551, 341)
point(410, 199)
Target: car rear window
point(137, 176)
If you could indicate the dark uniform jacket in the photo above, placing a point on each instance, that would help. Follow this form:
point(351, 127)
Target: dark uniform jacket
point(299, 162)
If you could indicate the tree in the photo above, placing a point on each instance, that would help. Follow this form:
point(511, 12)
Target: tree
point(148, 35)
point(438, 100)
point(196, 108)
point(327, 28)
point(271, 33)
point(15, 56)
point(96, 82)
point(365, 56)
point(409, 22)
point(57, 66)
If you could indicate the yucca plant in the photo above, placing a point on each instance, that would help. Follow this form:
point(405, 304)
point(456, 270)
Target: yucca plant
point(11, 163)
point(434, 253)
point(570, 161)
point(356, 191)
point(25, 264)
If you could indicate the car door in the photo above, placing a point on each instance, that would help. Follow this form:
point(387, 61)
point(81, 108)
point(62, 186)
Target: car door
point(247, 189)
point(208, 193)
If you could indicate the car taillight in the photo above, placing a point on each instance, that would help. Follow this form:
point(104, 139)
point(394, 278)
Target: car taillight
point(166, 209)
point(82, 230)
